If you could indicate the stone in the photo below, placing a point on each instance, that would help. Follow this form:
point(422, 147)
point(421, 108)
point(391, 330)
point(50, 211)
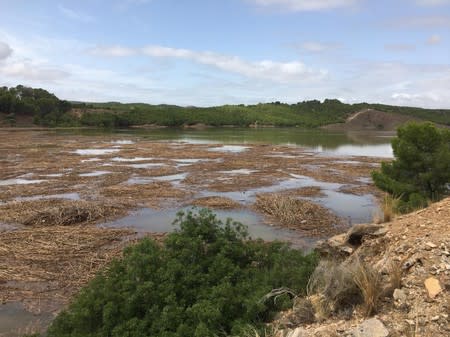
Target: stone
point(334, 246)
point(399, 295)
point(372, 327)
point(357, 233)
point(433, 287)
point(298, 332)
point(430, 244)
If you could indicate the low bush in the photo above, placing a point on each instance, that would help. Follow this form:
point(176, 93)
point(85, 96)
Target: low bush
point(206, 279)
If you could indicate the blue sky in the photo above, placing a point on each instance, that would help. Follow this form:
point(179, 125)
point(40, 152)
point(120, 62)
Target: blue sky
point(214, 52)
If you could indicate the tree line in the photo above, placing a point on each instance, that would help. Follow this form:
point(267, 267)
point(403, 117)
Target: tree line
point(48, 110)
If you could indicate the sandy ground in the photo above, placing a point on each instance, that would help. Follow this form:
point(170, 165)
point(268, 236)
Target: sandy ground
point(49, 181)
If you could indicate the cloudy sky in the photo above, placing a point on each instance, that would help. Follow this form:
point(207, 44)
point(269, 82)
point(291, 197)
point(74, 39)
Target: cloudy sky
point(211, 52)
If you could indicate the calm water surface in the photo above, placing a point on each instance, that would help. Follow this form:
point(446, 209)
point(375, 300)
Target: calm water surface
point(362, 143)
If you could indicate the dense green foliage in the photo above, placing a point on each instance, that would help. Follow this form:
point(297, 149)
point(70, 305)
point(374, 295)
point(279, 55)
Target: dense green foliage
point(207, 279)
point(304, 114)
point(44, 107)
point(421, 169)
point(48, 110)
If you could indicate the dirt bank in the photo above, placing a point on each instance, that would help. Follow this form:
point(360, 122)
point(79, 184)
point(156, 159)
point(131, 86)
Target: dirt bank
point(411, 256)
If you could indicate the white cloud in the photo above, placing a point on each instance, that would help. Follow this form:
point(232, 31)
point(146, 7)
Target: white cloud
point(264, 69)
point(5, 51)
point(32, 71)
point(432, 2)
point(318, 47)
point(304, 5)
point(434, 39)
point(75, 15)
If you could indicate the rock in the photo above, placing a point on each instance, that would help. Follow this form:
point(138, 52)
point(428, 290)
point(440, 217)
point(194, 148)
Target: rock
point(412, 261)
point(356, 234)
point(370, 328)
point(430, 244)
point(334, 246)
point(433, 287)
point(399, 295)
point(298, 332)
point(325, 331)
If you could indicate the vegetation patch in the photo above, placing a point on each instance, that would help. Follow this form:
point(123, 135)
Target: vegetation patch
point(54, 212)
point(309, 191)
point(53, 262)
point(298, 214)
point(216, 202)
point(206, 279)
point(421, 169)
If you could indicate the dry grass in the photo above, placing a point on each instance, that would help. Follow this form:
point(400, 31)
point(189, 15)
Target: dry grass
point(64, 257)
point(368, 280)
point(216, 202)
point(303, 312)
point(151, 194)
point(331, 289)
point(310, 191)
point(58, 212)
point(298, 214)
point(395, 273)
point(338, 287)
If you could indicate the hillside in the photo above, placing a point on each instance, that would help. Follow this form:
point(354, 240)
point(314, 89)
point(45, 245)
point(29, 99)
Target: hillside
point(414, 251)
point(21, 106)
point(371, 119)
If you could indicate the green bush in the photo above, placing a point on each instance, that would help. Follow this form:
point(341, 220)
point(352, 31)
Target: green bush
point(206, 279)
point(421, 169)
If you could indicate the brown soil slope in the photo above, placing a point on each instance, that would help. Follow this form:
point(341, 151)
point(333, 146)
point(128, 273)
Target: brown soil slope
point(370, 119)
point(416, 248)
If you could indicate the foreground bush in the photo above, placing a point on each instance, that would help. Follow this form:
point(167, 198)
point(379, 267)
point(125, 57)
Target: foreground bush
point(206, 279)
point(421, 169)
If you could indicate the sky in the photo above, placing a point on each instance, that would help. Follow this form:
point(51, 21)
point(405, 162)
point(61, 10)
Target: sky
point(214, 52)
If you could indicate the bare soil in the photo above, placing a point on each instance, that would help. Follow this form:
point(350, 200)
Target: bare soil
point(415, 248)
point(371, 119)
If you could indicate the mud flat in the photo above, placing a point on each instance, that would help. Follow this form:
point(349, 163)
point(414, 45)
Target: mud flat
point(70, 203)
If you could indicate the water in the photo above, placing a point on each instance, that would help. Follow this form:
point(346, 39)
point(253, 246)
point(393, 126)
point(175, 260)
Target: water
point(95, 152)
point(16, 321)
point(161, 221)
point(94, 173)
point(353, 208)
point(342, 143)
point(19, 181)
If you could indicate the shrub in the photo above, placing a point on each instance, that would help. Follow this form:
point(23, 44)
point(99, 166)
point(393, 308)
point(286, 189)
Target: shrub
point(421, 169)
point(206, 279)
point(337, 287)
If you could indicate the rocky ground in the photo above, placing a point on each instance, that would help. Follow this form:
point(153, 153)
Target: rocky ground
point(412, 257)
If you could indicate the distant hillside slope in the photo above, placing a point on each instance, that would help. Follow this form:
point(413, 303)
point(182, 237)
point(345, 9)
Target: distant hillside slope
point(24, 106)
point(371, 119)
